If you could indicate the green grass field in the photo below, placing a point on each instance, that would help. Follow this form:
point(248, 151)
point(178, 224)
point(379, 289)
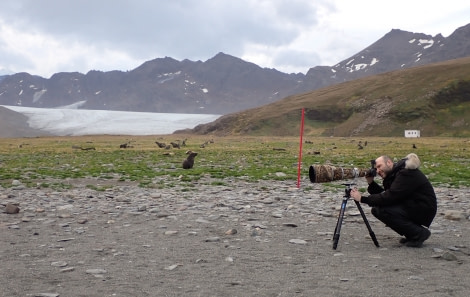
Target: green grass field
point(36, 161)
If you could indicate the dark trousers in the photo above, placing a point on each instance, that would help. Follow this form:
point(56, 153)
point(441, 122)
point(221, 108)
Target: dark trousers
point(397, 218)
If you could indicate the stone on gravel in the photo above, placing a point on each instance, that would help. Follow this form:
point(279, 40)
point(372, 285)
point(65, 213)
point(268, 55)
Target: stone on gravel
point(11, 209)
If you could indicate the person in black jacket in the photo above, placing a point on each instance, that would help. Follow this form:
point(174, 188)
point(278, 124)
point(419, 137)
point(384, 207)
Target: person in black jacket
point(406, 203)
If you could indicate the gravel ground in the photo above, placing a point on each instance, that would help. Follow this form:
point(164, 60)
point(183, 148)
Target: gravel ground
point(243, 239)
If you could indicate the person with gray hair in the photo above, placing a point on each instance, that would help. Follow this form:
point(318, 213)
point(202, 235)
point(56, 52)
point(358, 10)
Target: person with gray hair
point(406, 203)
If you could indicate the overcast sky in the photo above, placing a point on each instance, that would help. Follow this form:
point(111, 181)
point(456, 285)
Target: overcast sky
point(49, 36)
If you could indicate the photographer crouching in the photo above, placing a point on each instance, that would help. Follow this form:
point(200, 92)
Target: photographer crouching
point(406, 203)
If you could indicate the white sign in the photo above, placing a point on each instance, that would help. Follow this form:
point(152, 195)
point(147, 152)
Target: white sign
point(412, 133)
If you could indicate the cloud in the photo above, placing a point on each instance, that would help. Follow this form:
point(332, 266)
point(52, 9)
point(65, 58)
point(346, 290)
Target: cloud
point(48, 36)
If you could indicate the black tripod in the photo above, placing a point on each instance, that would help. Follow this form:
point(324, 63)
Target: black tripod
point(346, 197)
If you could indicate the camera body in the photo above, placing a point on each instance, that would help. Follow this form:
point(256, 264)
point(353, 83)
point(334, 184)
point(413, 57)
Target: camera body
point(372, 172)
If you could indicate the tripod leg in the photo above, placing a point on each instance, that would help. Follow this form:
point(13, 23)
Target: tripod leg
point(338, 224)
point(371, 233)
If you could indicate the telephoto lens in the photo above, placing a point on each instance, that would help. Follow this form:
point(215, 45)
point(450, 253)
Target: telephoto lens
point(328, 173)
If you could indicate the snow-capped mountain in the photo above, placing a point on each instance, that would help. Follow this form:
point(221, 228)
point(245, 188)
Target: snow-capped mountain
point(222, 84)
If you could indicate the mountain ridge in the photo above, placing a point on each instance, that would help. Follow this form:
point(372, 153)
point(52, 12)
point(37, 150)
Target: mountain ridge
point(228, 85)
point(222, 84)
point(433, 98)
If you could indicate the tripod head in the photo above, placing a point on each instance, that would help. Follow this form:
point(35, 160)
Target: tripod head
point(348, 189)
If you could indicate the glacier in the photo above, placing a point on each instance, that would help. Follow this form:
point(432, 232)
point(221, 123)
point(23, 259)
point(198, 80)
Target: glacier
point(78, 122)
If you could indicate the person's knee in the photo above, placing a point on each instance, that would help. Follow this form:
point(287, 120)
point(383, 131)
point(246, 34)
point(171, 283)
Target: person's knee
point(384, 215)
point(376, 212)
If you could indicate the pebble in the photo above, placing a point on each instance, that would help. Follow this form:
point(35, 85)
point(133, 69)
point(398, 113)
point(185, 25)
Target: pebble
point(229, 259)
point(231, 232)
point(59, 264)
point(449, 256)
point(67, 269)
point(11, 209)
point(455, 215)
point(96, 271)
point(290, 224)
point(172, 267)
point(171, 232)
point(297, 241)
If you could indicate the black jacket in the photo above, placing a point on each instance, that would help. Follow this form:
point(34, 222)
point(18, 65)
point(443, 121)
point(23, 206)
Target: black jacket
point(409, 188)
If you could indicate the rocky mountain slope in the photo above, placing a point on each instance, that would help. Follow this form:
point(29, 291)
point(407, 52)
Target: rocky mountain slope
point(433, 98)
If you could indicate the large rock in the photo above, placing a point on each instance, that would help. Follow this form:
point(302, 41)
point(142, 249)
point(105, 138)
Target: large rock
point(12, 209)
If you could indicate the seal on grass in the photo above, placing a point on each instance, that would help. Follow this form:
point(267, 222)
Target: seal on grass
point(189, 162)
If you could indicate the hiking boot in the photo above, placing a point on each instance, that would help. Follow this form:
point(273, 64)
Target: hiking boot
point(403, 240)
point(418, 240)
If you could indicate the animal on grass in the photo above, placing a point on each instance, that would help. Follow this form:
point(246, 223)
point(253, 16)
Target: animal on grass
point(160, 144)
point(176, 144)
point(126, 145)
point(189, 162)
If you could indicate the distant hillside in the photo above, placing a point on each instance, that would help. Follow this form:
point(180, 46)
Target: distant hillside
point(222, 84)
point(434, 99)
point(13, 124)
